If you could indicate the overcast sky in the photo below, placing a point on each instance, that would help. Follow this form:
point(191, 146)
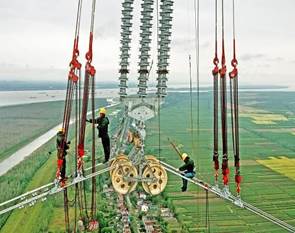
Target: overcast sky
point(36, 39)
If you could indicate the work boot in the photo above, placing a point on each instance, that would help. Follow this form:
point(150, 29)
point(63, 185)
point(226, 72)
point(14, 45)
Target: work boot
point(105, 161)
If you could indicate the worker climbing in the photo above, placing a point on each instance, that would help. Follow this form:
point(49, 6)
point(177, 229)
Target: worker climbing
point(62, 146)
point(102, 125)
point(188, 169)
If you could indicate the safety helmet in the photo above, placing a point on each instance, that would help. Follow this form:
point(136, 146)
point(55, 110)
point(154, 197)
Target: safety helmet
point(102, 111)
point(184, 156)
point(61, 130)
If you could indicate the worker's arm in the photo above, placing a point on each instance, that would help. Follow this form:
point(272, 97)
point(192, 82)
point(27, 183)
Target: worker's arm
point(183, 167)
point(96, 121)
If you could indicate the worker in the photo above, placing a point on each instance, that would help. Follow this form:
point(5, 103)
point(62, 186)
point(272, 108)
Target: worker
point(188, 169)
point(102, 125)
point(62, 148)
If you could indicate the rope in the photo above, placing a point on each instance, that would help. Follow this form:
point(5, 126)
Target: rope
point(72, 83)
point(66, 209)
point(215, 101)
point(76, 150)
point(93, 200)
point(207, 212)
point(197, 45)
point(223, 96)
point(191, 104)
point(235, 108)
point(159, 96)
point(197, 53)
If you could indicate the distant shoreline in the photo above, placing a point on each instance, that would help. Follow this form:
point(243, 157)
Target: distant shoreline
point(59, 86)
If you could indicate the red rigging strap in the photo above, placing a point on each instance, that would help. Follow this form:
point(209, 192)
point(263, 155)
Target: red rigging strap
point(89, 72)
point(223, 100)
point(89, 67)
point(223, 61)
point(216, 60)
point(89, 55)
point(75, 64)
point(73, 78)
point(234, 61)
point(215, 72)
point(235, 105)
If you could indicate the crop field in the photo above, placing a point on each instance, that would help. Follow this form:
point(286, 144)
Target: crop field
point(281, 164)
point(268, 187)
point(39, 169)
point(21, 124)
point(267, 167)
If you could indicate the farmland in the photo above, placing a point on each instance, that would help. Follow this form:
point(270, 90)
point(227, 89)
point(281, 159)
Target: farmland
point(266, 184)
point(21, 124)
point(265, 187)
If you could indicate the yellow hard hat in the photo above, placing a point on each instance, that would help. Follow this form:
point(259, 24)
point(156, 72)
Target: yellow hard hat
point(184, 156)
point(62, 130)
point(103, 111)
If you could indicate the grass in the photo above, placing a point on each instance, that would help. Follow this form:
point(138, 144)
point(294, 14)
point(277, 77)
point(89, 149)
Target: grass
point(265, 188)
point(31, 120)
point(36, 170)
point(282, 165)
point(44, 216)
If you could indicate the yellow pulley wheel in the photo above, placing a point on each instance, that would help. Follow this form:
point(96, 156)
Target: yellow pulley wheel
point(123, 178)
point(118, 160)
point(151, 159)
point(159, 177)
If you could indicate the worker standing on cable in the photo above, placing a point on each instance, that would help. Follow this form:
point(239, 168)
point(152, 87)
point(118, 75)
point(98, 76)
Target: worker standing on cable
point(62, 147)
point(102, 125)
point(188, 169)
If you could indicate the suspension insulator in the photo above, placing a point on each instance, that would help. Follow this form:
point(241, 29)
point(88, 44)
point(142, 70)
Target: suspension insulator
point(164, 46)
point(125, 45)
point(146, 26)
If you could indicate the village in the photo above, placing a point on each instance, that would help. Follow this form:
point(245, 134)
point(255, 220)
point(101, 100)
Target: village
point(136, 213)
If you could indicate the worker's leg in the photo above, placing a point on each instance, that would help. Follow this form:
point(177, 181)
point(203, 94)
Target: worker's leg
point(184, 185)
point(63, 169)
point(187, 175)
point(106, 147)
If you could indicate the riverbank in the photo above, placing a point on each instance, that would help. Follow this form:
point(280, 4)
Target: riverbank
point(24, 128)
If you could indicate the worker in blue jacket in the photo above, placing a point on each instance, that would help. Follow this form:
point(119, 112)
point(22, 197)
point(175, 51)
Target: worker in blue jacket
point(188, 169)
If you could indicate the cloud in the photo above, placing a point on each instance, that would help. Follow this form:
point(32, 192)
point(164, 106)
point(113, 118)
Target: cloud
point(250, 57)
point(104, 31)
point(26, 72)
point(261, 56)
point(40, 33)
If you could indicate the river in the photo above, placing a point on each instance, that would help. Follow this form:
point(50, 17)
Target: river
point(27, 150)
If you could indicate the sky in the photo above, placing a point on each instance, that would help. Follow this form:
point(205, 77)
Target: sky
point(36, 40)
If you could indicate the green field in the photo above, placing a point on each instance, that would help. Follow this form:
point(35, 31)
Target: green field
point(263, 186)
point(36, 170)
point(21, 124)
